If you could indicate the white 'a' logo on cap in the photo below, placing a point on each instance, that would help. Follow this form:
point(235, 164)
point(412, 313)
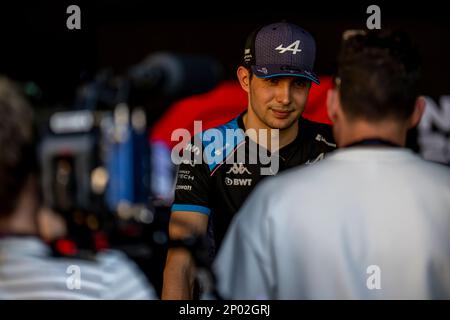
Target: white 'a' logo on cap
point(292, 47)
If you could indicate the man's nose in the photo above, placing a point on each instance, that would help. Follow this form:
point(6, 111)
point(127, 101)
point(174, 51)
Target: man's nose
point(284, 93)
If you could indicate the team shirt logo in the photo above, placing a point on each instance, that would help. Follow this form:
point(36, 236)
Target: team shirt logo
point(238, 168)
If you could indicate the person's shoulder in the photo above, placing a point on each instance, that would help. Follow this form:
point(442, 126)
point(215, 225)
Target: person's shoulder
point(218, 142)
point(314, 125)
point(111, 257)
point(233, 124)
point(124, 276)
point(439, 172)
point(319, 132)
point(113, 260)
point(297, 180)
point(208, 136)
point(95, 263)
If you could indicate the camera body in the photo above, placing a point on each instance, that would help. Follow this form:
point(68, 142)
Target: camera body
point(95, 160)
point(95, 170)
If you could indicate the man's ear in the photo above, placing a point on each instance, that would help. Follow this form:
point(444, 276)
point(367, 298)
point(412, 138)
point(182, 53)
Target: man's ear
point(332, 104)
point(244, 78)
point(419, 109)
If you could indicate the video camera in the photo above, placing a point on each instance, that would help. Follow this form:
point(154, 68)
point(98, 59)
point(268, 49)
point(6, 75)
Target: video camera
point(95, 157)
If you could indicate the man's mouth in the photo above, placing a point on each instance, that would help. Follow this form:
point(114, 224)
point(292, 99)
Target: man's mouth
point(281, 113)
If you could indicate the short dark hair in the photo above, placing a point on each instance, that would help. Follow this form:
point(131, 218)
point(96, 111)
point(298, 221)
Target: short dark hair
point(250, 73)
point(378, 75)
point(17, 155)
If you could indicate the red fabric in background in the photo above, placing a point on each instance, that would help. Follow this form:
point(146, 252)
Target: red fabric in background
point(224, 103)
point(316, 107)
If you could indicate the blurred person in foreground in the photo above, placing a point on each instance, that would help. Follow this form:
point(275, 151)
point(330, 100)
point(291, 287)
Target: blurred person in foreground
point(372, 220)
point(28, 268)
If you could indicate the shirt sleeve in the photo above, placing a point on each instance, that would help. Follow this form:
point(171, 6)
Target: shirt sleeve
point(192, 189)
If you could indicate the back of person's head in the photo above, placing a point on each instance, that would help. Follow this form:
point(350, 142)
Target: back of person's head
point(17, 161)
point(377, 76)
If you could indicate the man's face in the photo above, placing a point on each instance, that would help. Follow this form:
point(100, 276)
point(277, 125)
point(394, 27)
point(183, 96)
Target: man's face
point(278, 102)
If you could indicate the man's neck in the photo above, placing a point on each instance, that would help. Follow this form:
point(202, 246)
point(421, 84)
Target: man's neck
point(390, 131)
point(23, 220)
point(284, 137)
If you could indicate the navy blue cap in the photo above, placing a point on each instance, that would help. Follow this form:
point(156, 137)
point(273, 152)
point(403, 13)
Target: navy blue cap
point(281, 49)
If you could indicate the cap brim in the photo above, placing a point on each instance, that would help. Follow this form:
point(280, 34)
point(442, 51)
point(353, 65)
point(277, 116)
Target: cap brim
point(271, 71)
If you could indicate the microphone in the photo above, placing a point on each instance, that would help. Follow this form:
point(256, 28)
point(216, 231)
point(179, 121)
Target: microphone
point(176, 74)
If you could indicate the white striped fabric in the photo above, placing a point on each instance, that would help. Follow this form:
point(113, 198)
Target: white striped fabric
point(28, 271)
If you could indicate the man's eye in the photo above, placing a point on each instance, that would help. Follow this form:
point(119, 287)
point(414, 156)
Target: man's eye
point(301, 83)
point(272, 80)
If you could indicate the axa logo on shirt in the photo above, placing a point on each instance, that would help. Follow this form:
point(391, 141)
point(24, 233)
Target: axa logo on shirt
point(292, 47)
point(238, 182)
point(238, 168)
